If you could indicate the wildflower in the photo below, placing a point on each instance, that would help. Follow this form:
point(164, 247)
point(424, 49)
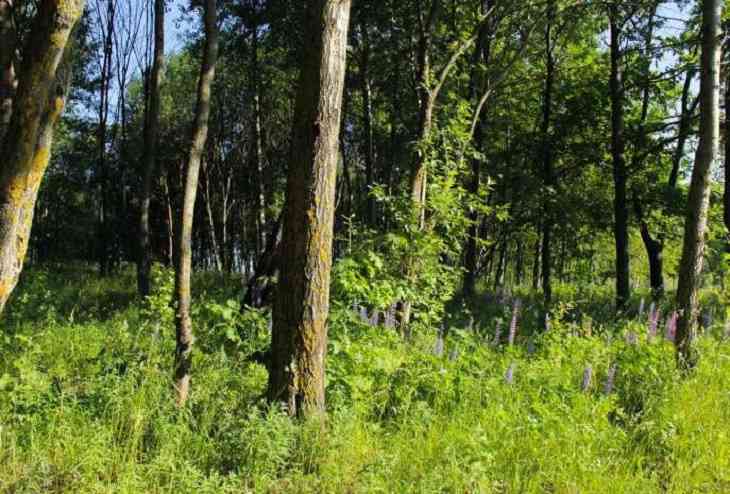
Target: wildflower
point(509, 376)
point(671, 326)
point(631, 338)
point(653, 322)
point(608, 387)
point(438, 348)
point(498, 332)
point(587, 378)
point(514, 322)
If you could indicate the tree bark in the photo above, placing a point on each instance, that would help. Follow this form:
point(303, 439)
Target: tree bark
point(184, 324)
point(8, 81)
point(367, 116)
point(547, 157)
point(149, 156)
point(690, 267)
point(482, 52)
point(26, 148)
point(620, 207)
point(257, 155)
point(301, 307)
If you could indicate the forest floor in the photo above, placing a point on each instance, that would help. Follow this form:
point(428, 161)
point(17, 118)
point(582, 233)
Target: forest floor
point(86, 400)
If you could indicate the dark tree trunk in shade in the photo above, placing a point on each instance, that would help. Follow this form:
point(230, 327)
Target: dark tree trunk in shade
point(149, 154)
point(183, 259)
point(547, 156)
point(690, 267)
point(301, 306)
point(26, 147)
point(367, 116)
point(8, 81)
point(620, 206)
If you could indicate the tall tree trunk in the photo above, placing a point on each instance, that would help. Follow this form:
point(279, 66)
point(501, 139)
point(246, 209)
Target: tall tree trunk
point(257, 156)
point(104, 228)
point(26, 148)
point(367, 116)
point(620, 207)
point(547, 157)
point(726, 190)
point(690, 267)
point(7, 64)
point(482, 52)
point(301, 307)
point(184, 324)
point(149, 154)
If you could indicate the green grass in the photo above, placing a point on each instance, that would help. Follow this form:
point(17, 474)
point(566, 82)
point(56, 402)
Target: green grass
point(86, 403)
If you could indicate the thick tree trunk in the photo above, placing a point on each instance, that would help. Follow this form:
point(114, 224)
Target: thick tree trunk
point(26, 149)
point(7, 64)
point(547, 157)
point(184, 324)
point(620, 207)
point(690, 267)
point(149, 155)
point(301, 307)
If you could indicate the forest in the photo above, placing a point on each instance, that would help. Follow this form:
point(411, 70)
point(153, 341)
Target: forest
point(355, 246)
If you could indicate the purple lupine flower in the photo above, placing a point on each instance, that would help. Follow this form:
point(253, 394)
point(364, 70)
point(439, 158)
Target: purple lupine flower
point(498, 332)
point(375, 318)
point(364, 315)
point(653, 323)
point(631, 338)
point(438, 348)
point(514, 322)
point(671, 326)
point(587, 378)
point(641, 307)
point(608, 387)
point(509, 376)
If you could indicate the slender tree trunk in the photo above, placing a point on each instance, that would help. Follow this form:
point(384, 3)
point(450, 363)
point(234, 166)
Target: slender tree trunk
point(301, 307)
point(149, 154)
point(536, 260)
point(482, 52)
point(184, 324)
point(257, 156)
point(685, 125)
point(726, 190)
point(367, 115)
point(211, 220)
point(620, 207)
point(547, 158)
point(690, 267)
point(26, 149)
point(8, 81)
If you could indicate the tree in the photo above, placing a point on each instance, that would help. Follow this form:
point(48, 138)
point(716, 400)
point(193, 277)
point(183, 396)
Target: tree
point(183, 259)
point(301, 308)
point(151, 130)
point(26, 148)
point(693, 246)
point(620, 206)
point(7, 64)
